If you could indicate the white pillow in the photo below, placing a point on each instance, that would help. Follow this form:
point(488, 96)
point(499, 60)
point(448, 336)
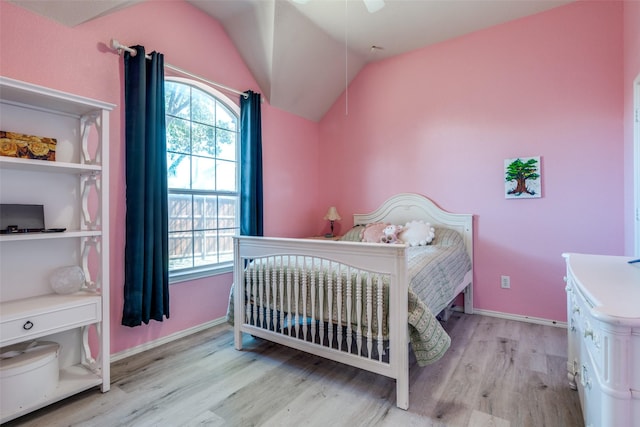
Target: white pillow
point(417, 233)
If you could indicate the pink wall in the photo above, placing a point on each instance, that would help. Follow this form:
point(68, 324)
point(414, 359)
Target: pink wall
point(438, 121)
point(441, 120)
point(631, 71)
point(78, 60)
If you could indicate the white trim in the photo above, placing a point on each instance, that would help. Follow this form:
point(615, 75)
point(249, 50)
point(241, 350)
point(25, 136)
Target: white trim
point(182, 334)
point(224, 99)
point(194, 274)
point(636, 166)
point(167, 339)
point(517, 317)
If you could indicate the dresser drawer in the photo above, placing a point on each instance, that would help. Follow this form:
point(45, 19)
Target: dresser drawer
point(592, 336)
point(635, 363)
point(574, 333)
point(591, 393)
point(585, 328)
point(29, 324)
point(576, 307)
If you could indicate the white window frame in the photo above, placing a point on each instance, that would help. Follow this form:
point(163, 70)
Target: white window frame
point(208, 271)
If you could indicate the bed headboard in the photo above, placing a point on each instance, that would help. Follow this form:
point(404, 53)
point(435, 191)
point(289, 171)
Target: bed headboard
point(405, 207)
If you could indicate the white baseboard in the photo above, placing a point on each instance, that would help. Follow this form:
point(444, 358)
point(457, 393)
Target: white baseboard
point(518, 317)
point(160, 341)
point(181, 334)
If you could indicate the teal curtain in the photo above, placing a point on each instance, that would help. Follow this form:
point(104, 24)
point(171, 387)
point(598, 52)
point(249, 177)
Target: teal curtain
point(146, 282)
point(251, 199)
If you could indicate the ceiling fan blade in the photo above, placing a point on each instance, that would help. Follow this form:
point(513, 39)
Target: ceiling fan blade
point(373, 5)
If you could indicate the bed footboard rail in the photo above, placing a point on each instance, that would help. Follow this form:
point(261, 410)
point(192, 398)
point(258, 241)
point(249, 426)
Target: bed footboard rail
point(342, 301)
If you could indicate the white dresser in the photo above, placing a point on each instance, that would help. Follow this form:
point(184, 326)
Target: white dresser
point(603, 317)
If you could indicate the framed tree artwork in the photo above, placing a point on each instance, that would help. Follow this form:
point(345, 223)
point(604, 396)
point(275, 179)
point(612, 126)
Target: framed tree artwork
point(522, 178)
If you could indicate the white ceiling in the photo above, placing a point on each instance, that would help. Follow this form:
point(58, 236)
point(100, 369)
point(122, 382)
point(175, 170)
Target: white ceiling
point(303, 55)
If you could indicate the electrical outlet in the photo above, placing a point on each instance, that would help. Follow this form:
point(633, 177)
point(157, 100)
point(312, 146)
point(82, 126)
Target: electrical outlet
point(505, 282)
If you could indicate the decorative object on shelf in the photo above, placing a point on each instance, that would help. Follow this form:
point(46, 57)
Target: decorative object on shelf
point(525, 173)
point(13, 144)
point(67, 280)
point(21, 218)
point(332, 215)
point(29, 373)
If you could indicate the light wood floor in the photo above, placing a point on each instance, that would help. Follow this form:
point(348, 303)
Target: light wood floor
point(496, 373)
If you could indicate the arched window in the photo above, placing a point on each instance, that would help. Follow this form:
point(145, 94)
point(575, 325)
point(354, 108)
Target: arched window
point(203, 178)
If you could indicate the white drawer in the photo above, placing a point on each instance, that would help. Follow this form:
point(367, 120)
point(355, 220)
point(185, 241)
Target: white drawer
point(20, 326)
point(594, 339)
point(635, 363)
point(589, 331)
point(575, 306)
point(635, 404)
point(591, 401)
point(573, 334)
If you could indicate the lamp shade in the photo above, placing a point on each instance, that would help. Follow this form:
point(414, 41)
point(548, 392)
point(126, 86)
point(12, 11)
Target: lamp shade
point(332, 214)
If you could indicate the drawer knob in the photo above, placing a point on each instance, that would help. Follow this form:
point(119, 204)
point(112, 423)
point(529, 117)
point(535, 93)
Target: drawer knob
point(584, 378)
point(28, 325)
point(588, 332)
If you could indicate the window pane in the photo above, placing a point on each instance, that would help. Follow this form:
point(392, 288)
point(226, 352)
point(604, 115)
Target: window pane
point(180, 212)
point(180, 251)
point(226, 143)
point(226, 176)
point(178, 171)
point(178, 135)
point(225, 253)
point(204, 140)
point(203, 173)
point(198, 213)
point(208, 213)
point(227, 212)
point(225, 118)
point(203, 107)
point(177, 99)
point(206, 247)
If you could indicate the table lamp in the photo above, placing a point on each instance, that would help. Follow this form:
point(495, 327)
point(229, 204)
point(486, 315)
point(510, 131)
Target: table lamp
point(332, 215)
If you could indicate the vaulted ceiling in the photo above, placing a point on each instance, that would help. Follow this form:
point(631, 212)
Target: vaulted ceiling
point(303, 53)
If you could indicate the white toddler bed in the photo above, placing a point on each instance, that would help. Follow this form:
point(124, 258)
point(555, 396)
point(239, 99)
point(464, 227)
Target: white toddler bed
point(357, 303)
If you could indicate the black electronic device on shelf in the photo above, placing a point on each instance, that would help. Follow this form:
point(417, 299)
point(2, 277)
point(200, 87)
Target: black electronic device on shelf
point(18, 218)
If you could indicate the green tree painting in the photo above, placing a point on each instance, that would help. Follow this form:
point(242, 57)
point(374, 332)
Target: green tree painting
point(522, 177)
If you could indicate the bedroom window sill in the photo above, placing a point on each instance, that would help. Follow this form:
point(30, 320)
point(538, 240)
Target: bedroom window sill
point(186, 276)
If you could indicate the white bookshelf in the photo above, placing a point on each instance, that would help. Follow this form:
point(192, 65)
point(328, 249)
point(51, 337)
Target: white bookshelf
point(74, 190)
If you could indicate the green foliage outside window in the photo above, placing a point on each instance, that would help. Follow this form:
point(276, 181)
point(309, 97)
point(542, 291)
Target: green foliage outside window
point(202, 165)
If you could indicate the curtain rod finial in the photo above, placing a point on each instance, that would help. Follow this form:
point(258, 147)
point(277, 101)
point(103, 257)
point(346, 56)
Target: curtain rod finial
point(116, 45)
